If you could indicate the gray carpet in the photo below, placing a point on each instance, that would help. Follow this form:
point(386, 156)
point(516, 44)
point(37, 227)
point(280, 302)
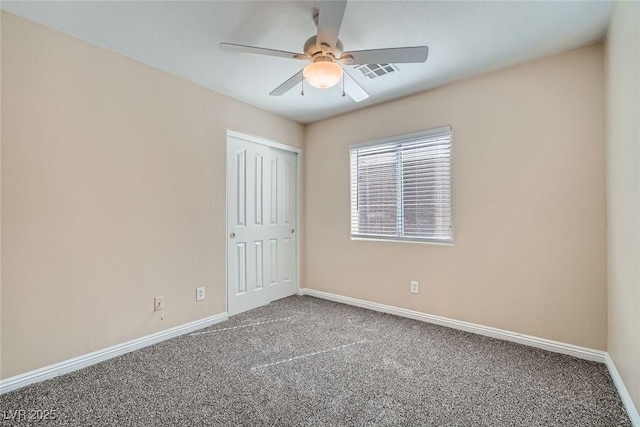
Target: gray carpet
point(302, 361)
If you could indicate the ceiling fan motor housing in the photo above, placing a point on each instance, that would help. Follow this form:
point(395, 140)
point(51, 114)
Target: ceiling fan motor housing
point(322, 52)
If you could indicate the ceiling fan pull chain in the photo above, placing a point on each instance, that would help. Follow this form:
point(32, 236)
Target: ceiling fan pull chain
point(302, 92)
point(343, 94)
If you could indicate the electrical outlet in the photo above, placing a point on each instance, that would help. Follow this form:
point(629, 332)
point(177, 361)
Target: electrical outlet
point(415, 287)
point(158, 303)
point(200, 293)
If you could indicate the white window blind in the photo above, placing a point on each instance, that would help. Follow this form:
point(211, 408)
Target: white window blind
point(401, 188)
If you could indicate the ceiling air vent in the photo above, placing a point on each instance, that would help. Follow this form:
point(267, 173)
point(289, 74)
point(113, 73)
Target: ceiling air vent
point(373, 71)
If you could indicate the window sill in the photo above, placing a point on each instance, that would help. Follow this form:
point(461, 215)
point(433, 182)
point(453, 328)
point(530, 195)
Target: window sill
point(400, 240)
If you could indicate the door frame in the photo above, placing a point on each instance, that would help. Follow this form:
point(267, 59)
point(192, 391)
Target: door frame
point(273, 144)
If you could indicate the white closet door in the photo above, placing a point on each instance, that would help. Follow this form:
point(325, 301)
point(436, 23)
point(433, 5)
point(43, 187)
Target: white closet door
point(261, 224)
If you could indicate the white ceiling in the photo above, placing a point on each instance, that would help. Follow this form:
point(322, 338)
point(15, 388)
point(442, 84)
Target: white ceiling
point(464, 38)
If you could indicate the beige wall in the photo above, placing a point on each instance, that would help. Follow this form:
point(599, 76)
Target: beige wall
point(529, 203)
point(623, 192)
point(0, 200)
point(113, 192)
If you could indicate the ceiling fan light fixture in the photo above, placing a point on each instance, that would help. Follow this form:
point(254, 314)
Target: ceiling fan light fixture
point(322, 74)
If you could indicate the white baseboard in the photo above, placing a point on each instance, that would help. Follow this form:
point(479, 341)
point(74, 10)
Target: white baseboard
point(85, 360)
point(554, 346)
point(623, 392)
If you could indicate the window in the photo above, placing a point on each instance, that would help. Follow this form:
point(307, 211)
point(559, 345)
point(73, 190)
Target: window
point(401, 188)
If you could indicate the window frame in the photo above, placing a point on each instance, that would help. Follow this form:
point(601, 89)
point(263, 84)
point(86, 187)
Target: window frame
point(399, 139)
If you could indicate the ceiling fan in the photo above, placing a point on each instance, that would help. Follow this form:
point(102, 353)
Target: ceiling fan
point(326, 55)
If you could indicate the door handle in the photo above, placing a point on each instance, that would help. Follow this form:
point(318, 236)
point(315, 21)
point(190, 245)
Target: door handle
point(293, 231)
point(232, 235)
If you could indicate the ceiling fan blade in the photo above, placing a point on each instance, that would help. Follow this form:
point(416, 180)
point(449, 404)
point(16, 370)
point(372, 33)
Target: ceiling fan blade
point(329, 21)
point(394, 55)
point(353, 89)
point(262, 51)
point(287, 85)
